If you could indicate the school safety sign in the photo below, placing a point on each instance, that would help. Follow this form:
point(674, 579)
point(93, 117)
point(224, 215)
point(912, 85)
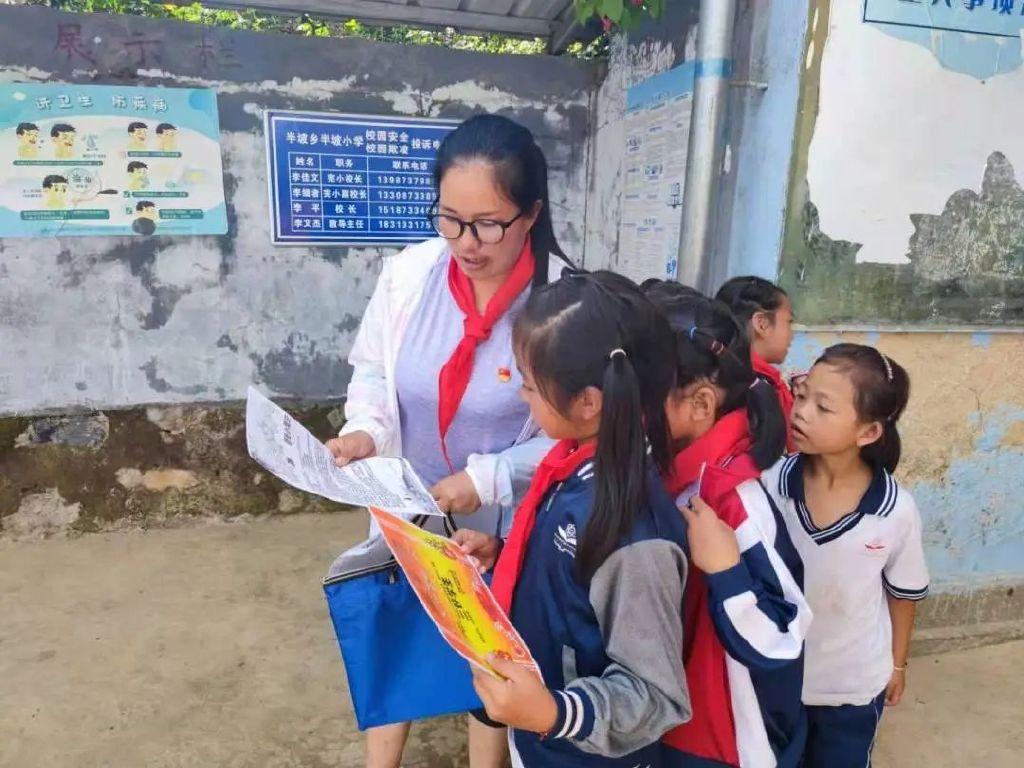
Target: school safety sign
point(351, 179)
point(109, 160)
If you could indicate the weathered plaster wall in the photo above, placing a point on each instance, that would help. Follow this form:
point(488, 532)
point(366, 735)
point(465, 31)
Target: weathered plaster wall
point(768, 53)
point(120, 322)
point(963, 459)
point(905, 203)
point(904, 208)
point(138, 350)
point(649, 49)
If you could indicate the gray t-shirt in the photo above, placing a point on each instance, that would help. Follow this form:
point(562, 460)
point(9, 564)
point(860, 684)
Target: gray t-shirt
point(491, 414)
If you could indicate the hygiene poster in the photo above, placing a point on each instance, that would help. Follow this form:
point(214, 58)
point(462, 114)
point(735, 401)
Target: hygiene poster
point(109, 160)
point(657, 123)
point(453, 594)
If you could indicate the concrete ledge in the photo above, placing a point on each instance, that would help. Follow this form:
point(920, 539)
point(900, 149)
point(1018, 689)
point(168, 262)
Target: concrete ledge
point(960, 637)
point(967, 617)
point(140, 468)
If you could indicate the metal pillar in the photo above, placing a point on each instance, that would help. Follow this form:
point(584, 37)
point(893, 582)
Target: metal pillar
point(704, 157)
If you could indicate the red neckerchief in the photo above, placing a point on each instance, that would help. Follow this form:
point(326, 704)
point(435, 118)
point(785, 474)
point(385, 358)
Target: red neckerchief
point(719, 459)
point(771, 374)
point(727, 439)
point(561, 461)
point(454, 376)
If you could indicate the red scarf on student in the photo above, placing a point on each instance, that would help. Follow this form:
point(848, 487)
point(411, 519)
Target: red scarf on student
point(728, 439)
point(719, 460)
point(561, 461)
point(771, 374)
point(454, 376)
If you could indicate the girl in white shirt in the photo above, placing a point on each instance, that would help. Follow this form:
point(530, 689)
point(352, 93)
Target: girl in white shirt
point(859, 535)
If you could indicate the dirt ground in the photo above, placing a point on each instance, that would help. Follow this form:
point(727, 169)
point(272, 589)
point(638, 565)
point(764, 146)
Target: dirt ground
point(210, 646)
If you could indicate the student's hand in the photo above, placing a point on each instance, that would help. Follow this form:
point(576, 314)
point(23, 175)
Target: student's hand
point(351, 447)
point(456, 494)
point(482, 549)
point(897, 685)
point(713, 546)
point(521, 700)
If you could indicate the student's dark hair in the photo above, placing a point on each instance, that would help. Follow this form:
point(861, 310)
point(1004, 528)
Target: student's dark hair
point(25, 128)
point(52, 179)
point(520, 169)
point(881, 392)
point(598, 330)
point(134, 165)
point(748, 295)
point(132, 127)
point(144, 204)
point(165, 127)
point(60, 128)
point(711, 345)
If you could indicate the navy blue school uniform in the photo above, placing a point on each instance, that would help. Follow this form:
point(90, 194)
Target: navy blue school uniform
point(608, 646)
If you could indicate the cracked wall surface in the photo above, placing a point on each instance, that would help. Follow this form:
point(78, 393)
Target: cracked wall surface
point(99, 323)
point(905, 217)
point(905, 204)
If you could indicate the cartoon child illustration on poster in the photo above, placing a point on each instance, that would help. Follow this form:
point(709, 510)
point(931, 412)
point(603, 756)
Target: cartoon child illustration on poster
point(63, 137)
point(137, 135)
point(167, 137)
point(138, 175)
point(55, 192)
point(28, 140)
point(145, 218)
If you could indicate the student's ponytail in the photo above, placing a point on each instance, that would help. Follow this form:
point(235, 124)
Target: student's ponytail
point(767, 423)
point(882, 391)
point(619, 464)
point(711, 345)
point(598, 330)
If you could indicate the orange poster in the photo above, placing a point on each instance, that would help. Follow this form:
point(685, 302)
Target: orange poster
point(453, 594)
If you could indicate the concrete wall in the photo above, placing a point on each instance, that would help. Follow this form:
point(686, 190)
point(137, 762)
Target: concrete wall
point(138, 351)
point(907, 187)
point(651, 48)
point(120, 322)
point(905, 221)
point(762, 109)
point(964, 456)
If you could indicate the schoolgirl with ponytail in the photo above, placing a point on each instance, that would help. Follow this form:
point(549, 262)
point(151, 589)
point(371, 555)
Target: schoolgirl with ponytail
point(592, 573)
point(745, 614)
point(859, 534)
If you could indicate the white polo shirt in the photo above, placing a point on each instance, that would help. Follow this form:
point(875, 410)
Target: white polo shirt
point(848, 568)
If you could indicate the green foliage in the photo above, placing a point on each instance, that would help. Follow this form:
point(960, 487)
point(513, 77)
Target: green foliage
point(317, 27)
point(618, 13)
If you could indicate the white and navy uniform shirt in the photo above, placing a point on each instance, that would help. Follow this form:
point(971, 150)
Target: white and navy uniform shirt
point(761, 619)
point(609, 646)
point(848, 569)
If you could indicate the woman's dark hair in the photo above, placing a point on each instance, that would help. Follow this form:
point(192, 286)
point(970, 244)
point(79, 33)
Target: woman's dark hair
point(748, 295)
point(520, 169)
point(598, 330)
point(881, 391)
point(711, 345)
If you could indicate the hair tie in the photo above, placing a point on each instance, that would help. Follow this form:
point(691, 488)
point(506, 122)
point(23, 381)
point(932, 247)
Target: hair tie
point(617, 351)
point(755, 382)
point(888, 367)
point(713, 345)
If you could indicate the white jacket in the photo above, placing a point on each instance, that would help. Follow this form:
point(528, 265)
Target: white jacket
point(372, 401)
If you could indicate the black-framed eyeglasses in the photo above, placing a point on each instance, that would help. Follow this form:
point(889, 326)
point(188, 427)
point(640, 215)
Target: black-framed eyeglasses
point(486, 231)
